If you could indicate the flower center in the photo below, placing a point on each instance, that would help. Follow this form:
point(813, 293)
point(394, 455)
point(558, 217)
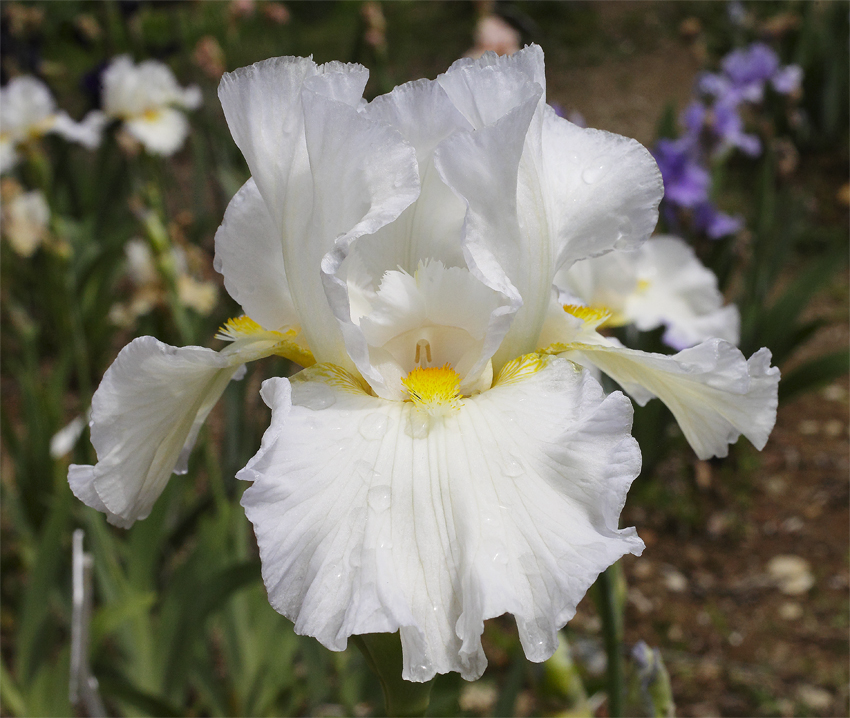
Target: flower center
point(434, 390)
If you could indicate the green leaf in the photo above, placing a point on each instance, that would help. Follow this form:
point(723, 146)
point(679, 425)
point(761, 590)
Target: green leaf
point(114, 687)
point(109, 617)
point(13, 700)
point(51, 557)
point(208, 596)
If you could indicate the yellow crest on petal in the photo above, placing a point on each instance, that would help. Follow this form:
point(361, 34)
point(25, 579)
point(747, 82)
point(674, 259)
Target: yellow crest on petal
point(287, 343)
point(521, 368)
point(589, 315)
point(434, 390)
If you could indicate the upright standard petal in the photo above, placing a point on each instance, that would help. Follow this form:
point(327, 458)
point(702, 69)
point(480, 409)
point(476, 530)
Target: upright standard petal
point(249, 254)
point(326, 173)
point(482, 168)
point(372, 518)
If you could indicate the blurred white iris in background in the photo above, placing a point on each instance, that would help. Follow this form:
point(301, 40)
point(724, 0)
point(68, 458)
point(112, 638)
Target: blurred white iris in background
point(148, 101)
point(28, 111)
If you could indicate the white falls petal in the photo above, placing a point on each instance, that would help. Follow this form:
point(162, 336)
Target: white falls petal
point(146, 415)
point(162, 132)
point(370, 521)
point(713, 391)
point(249, 255)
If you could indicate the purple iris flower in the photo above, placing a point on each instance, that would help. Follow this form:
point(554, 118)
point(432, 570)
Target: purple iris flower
point(750, 68)
point(745, 73)
point(716, 224)
point(729, 127)
point(686, 182)
point(787, 79)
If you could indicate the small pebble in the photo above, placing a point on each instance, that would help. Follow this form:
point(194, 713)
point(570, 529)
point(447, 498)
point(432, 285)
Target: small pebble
point(833, 428)
point(808, 427)
point(793, 525)
point(814, 697)
point(675, 581)
point(790, 611)
point(791, 574)
point(834, 392)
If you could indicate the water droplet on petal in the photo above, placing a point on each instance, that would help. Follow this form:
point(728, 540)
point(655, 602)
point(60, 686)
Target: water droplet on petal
point(217, 263)
point(365, 472)
point(315, 396)
point(334, 570)
point(512, 467)
point(417, 425)
point(374, 426)
point(499, 554)
point(488, 519)
point(592, 174)
point(380, 498)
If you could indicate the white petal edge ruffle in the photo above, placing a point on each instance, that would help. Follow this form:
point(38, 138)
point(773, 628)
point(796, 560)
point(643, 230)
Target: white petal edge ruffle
point(713, 391)
point(146, 415)
point(370, 521)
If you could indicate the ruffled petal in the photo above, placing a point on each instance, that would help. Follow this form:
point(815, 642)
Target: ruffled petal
point(600, 191)
point(487, 88)
point(326, 173)
point(430, 228)
point(249, 254)
point(713, 391)
point(146, 415)
point(262, 105)
point(370, 519)
point(482, 168)
point(161, 132)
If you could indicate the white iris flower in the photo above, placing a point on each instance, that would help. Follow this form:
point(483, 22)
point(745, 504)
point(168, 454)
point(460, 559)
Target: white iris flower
point(28, 111)
point(430, 469)
point(146, 98)
point(662, 282)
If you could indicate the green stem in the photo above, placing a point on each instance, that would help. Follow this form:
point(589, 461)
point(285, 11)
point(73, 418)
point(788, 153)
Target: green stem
point(383, 654)
point(612, 628)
